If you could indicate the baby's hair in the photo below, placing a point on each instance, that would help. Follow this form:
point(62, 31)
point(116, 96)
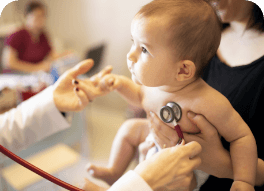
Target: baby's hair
point(193, 26)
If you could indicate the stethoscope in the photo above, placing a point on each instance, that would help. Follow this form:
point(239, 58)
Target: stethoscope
point(172, 113)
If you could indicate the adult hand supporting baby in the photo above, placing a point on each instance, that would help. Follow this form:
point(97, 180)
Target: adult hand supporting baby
point(215, 159)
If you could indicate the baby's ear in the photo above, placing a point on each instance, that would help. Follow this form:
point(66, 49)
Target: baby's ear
point(186, 70)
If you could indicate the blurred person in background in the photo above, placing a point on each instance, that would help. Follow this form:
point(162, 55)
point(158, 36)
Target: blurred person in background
point(29, 49)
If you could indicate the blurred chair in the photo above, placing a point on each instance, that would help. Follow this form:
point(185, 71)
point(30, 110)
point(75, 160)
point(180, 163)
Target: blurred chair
point(96, 53)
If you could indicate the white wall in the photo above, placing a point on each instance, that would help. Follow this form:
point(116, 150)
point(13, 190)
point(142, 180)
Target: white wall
point(86, 23)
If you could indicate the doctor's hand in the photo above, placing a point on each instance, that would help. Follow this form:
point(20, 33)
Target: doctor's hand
point(69, 98)
point(171, 167)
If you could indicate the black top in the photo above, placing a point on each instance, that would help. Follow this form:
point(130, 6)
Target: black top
point(244, 88)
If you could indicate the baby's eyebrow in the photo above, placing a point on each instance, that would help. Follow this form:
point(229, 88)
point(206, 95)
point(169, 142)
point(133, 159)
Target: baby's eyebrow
point(142, 42)
point(148, 45)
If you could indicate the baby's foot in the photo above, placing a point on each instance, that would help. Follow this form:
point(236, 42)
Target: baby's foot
point(103, 173)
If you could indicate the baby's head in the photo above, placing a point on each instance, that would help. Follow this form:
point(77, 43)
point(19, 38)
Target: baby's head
point(172, 40)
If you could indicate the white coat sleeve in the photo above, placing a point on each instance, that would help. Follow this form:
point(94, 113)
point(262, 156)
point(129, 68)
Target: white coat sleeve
point(32, 120)
point(131, 181)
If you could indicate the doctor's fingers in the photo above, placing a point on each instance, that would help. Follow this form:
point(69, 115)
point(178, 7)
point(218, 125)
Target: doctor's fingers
point(81, 68)
point(83, 100)
point(88, 88)
point(192, 149)
point(97, 77)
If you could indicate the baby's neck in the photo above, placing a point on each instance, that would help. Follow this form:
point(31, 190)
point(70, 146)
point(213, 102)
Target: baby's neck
point(183, 87)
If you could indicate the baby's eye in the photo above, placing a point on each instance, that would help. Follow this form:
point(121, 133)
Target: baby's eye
point(144, 50)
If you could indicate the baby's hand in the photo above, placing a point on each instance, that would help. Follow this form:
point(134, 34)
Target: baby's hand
point(241, 186)
point(110, 82)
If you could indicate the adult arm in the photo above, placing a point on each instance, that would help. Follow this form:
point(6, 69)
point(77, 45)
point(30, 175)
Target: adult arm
point(11, 60)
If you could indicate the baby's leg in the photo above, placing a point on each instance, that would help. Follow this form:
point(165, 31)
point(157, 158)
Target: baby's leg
point(127, 139)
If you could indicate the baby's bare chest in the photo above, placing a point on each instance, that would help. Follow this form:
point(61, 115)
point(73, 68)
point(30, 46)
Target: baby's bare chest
point(154, 100)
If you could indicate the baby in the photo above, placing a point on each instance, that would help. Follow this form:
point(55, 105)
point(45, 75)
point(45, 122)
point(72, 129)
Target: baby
point(173, 41)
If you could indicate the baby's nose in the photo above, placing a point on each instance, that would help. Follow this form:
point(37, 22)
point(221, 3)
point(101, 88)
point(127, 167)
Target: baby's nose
point(131, 57)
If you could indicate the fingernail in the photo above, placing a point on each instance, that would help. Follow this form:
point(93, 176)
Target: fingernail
point(111, 81)
point(91, 172)
point(108, 67)
point(191, 114)
point(76, 82)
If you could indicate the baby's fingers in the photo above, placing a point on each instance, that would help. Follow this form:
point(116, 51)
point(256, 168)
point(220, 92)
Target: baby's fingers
point(107, 83)
point(97, 77)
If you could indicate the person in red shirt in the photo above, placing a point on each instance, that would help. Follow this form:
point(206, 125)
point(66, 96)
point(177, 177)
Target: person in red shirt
point(28, 49)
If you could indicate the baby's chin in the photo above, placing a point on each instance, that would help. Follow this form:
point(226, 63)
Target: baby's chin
point(134, 79)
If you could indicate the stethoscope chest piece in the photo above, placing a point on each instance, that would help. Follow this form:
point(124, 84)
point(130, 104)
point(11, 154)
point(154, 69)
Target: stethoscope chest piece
point(171, 111)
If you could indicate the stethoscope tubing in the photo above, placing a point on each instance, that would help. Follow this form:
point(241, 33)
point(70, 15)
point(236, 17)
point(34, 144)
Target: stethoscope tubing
point(37, 170)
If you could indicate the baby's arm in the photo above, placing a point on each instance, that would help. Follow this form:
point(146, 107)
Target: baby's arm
point(129, 90)
point(231, 126)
